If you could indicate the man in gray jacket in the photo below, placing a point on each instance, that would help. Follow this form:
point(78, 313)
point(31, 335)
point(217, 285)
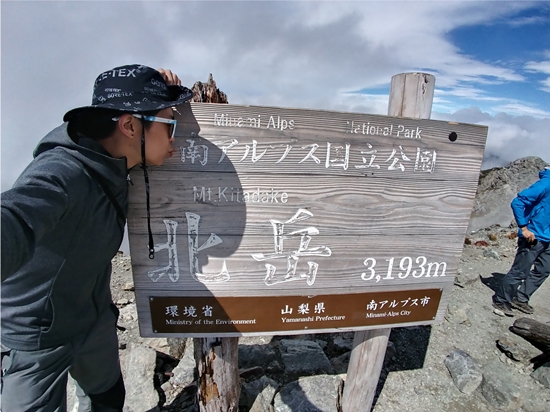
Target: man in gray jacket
point(62, 223)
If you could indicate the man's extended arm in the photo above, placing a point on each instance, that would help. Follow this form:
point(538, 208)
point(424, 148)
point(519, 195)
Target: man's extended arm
point(29, 210)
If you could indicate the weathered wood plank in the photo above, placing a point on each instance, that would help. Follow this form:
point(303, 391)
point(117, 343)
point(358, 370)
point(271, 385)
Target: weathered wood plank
point(351, 192)
point(204, 118)
point(247, 287)
point(364, 207)
point(391, 222)
point(347, 156)
point(345, 267)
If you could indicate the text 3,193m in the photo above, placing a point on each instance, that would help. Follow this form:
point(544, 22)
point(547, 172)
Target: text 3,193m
point(417, 268)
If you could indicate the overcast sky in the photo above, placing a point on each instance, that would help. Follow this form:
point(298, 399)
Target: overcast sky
point(491, 60)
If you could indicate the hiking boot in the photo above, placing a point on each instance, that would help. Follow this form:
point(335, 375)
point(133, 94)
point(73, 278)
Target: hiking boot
point(502, 309)
point(523, 306)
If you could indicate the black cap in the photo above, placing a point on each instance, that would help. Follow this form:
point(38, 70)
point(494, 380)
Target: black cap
point(133, 88)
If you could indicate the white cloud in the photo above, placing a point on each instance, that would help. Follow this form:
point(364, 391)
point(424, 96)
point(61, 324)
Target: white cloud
point(519, 109)
point(509, 137)
point(293, 54)
point(546, 84)
point(525, 21)
point(542, 67)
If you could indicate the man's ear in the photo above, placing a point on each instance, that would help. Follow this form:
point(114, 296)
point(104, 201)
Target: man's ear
point(127, 124)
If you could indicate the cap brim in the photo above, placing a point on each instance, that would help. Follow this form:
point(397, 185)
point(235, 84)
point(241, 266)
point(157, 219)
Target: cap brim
point(180, 95)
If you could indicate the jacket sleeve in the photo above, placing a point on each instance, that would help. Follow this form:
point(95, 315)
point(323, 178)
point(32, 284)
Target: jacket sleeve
point(31, 209)
point(525, 201)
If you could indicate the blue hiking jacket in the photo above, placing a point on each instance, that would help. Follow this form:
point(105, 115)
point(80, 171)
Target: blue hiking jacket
point(531, 207)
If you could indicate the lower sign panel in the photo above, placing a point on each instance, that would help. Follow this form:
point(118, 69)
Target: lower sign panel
point(198, 315)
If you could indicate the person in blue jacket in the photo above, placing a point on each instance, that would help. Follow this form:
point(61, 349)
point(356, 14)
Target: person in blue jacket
point(62, 223)
point(531, 265)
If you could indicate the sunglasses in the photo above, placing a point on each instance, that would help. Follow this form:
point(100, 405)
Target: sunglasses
point(171, 122)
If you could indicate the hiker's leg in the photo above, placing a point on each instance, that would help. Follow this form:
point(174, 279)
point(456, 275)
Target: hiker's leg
point(537, 276)
point(96, 367)
point(35, 380)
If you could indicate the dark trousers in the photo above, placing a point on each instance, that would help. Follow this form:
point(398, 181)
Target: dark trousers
point(530, 269)
point(37, 380)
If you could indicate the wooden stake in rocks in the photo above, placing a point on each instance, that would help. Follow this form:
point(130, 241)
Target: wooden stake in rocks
point(219, 386)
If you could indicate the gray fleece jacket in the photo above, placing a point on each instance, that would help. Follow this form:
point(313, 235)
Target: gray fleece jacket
point(59, 234)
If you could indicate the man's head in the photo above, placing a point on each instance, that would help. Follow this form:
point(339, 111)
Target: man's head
point(131, 114)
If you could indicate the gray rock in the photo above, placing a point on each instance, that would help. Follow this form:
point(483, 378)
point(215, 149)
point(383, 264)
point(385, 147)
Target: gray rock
point(391, 352)
point(455, 314)
point(513, 350)
point(257, 396)
point(534, 404)
point(254, 355)
point(253, 373)
point(130, 285)
point(466, 279)
point(184, 372)
point(166, 386)
point(491, 253)
point(177, 346)
point(275, 368)
point(311, 394)
point(303, 357)
point(158, 344)
point(542, 375)
point(322, 343)
point(76, 397)
point(340, 363)
point(128, 314)
point(139, 373)
point(72, 400)
point(342, 344)
point(498, 387)
point(464, 370)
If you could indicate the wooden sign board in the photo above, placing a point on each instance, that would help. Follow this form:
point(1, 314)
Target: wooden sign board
point(279, 221)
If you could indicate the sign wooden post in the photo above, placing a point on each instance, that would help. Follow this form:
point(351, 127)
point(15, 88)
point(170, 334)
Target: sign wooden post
point(280, 221)
point(219, 386)
point(411, 95)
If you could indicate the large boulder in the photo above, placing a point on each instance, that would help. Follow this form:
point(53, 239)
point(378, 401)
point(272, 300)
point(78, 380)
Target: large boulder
point(139, 374)
point(310, 394)
point(303, 357)
point(498, 387)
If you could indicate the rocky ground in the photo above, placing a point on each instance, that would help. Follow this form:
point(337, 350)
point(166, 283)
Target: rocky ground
point(414, 377)
point(472, 326)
